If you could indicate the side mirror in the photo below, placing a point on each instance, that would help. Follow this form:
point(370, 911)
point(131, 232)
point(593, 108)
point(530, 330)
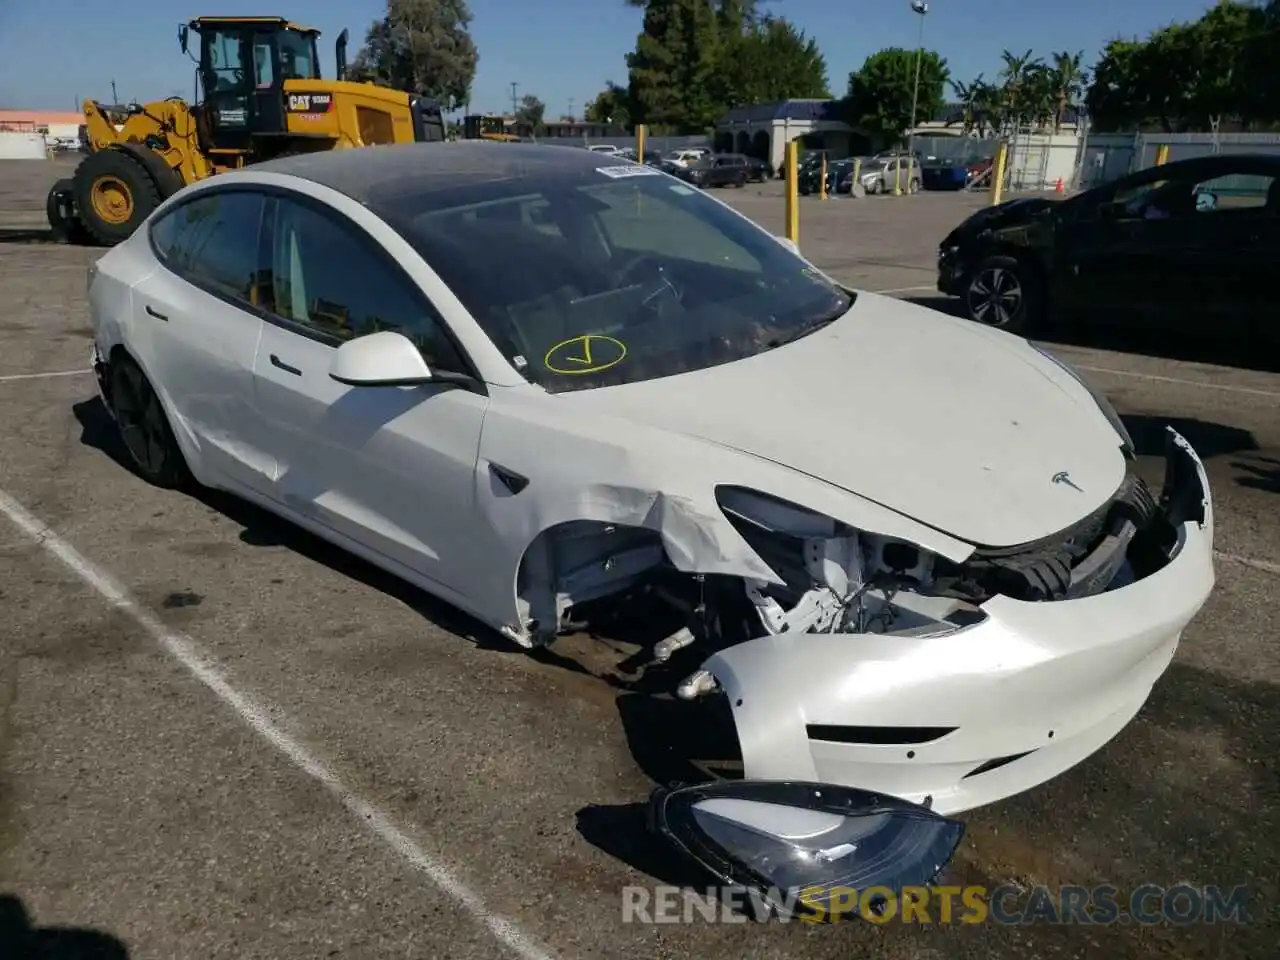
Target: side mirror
point(808, 849)
point(182, 38)
point(1206, 200)
point(382, 359)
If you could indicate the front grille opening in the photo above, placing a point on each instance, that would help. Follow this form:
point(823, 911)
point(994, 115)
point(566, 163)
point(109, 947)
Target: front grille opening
point(876, 736)
point(996, 764)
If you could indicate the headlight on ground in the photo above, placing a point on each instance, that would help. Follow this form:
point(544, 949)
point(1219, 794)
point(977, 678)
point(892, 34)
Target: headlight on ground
point(810, 849)
point(1099, 397)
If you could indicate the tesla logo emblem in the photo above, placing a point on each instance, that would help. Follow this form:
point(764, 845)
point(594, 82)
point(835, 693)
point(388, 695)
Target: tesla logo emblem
point(1065, 478)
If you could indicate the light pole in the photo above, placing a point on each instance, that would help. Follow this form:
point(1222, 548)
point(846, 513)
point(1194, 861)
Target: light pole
point(921, 8)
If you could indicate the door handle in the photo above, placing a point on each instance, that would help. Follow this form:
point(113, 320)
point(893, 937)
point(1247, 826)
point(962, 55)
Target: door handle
point(277, 362)
point(153, 312)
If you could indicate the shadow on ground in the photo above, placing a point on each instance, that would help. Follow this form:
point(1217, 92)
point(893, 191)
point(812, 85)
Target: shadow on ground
point(20, 940)
point(28, 235)
point(1180, 345)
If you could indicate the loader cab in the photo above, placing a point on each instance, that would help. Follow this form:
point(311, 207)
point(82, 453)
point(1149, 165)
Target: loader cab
point(243, 64)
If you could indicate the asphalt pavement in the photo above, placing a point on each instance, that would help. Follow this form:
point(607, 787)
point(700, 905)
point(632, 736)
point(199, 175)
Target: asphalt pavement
point(222, 738)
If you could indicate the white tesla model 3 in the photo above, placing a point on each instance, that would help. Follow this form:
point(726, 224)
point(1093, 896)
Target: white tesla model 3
point(912, 553)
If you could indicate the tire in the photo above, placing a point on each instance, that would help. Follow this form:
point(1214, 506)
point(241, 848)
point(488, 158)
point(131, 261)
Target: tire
point(65, 227)
point(144, 427)
point(1004, 294)
point(114, 195)
point(914, 186)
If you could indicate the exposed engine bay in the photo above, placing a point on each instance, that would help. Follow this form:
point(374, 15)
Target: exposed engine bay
point(835, 579)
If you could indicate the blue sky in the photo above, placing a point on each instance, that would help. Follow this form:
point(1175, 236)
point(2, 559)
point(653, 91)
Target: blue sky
point(560, 51)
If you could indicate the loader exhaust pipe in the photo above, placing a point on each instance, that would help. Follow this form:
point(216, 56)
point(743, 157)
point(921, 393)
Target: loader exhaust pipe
point(340, 54)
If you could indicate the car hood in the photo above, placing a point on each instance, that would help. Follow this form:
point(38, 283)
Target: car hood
point(1017, 212)
point(957, 426)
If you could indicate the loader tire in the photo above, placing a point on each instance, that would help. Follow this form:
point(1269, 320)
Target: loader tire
point(114, 195)
point(63, 223)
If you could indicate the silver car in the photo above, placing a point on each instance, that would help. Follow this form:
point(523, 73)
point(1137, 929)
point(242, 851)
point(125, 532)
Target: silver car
point(881, 174)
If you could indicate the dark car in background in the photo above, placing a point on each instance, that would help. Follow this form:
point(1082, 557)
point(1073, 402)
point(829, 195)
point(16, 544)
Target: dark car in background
point(809, 177)
point(1193, 242)
point(758, 170)
point(716, 170)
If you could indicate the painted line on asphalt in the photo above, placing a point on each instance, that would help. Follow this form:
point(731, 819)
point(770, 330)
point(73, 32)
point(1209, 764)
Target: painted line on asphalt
point(258, 716)
point(1266, 566)
point(43, 376)
point(1227, 387)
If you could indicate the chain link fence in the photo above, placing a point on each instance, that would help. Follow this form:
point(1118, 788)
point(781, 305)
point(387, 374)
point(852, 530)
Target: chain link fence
point(1108, 156)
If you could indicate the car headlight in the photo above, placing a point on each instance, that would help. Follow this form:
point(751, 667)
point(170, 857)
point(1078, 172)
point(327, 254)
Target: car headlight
point(817, 850)
point(1099, 397)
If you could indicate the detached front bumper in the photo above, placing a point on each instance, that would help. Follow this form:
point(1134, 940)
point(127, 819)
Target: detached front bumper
point(985, 712)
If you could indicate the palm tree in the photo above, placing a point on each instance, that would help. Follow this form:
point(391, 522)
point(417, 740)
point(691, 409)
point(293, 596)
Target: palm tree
point(979, 105)
point(1069, 82)
point(1018, 70)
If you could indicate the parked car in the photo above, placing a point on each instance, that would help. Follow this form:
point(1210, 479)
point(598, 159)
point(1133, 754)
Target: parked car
point(887, 172)
point(683, 158)
point(1195, 241)
point(809, 180)
point(758, 170)
point(716, 170)
point(905, 616)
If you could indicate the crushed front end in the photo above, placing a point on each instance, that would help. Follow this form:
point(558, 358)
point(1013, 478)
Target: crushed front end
point(959, 684)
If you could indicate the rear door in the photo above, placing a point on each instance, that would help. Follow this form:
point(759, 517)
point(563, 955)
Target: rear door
point(200, 315)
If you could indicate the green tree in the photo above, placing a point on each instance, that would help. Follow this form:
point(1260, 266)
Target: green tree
point(1186, 76)
point(611, 105)
point(1069, 80)
point(531, 115)
point(980, 106)
point(672, 70)
point(880, 92)
point(421, 46)
point(768, 60)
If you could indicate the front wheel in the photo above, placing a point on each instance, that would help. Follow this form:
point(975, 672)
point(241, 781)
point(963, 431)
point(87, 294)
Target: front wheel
point(1002, 293)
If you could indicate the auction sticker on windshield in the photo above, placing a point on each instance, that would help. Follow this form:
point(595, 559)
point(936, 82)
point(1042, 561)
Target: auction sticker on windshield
point(621, 170)
point(592, 353)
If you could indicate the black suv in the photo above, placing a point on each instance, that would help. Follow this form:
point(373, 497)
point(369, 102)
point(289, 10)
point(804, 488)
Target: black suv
point(717, 170)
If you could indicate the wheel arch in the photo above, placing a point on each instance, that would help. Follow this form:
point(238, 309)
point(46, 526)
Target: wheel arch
point(182, 433)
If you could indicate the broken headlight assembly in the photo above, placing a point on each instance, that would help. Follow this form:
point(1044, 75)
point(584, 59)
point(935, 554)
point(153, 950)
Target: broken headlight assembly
point(815, 850)
point(1099, 398)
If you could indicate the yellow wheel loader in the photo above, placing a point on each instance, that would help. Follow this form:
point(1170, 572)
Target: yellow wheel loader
point(263, 97)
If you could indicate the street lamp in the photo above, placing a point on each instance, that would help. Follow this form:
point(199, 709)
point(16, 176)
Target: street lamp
point(921, 8)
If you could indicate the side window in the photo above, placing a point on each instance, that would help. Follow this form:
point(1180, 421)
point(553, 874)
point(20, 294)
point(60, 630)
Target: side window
point(331, 278)
point(1234, 191)
point(213, 242)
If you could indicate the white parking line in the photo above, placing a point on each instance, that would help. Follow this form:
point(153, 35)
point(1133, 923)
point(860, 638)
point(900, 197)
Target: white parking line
point(1266, 566)
point(43, 376)
point(1229, 388)
point(258, 716)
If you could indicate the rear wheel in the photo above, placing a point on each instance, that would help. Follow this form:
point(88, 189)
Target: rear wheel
point(144, 427)
point(114, 195)
point(1003, 293)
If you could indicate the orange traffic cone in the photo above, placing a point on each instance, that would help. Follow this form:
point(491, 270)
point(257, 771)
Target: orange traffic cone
point(1058, 189)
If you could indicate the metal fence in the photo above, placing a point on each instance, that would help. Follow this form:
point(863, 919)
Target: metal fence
point(1107, 156)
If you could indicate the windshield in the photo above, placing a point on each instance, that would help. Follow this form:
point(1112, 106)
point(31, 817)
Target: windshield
point(597, 277)
point(298, 56)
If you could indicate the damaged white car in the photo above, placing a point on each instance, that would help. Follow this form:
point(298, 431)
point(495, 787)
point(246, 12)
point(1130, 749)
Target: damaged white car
point(912, 553)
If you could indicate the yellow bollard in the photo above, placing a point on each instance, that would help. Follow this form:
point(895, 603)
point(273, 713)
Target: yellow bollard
point(997, 172)
point(640, 132)
point(1162, 155)
point(793, 204)
point(822, 190)
point(857, 175)
point(897, 176)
